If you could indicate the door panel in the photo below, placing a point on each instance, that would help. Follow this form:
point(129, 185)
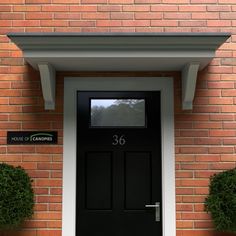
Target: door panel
point(118, 164)
point(137, 180)
point(98, 181)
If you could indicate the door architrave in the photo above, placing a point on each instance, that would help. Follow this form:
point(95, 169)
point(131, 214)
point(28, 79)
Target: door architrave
point(162, 84)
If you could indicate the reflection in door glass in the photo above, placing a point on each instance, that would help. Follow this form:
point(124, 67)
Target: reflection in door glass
point(117, 113)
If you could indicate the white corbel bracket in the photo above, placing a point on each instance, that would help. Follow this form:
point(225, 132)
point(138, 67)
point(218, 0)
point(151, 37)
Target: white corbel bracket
point(189, 79)
point(47, 75)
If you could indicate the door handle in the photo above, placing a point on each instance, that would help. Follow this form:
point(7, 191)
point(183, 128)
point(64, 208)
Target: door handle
point(157, 210)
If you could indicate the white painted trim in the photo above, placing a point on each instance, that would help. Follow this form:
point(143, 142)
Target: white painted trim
point(71, 86)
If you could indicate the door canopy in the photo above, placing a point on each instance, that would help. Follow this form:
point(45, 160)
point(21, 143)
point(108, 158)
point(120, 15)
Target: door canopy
point(185, 52)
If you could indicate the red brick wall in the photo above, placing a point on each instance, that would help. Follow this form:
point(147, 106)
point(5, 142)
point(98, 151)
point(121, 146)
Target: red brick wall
point(205, 137)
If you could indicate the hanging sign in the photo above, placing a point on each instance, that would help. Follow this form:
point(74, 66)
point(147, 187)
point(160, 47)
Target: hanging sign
point(31, 137)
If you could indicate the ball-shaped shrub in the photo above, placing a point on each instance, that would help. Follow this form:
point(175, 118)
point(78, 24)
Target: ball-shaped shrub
point(221, 201)
point(16, 196)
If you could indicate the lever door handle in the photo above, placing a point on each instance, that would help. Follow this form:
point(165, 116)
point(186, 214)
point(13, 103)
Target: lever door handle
point(157, 210)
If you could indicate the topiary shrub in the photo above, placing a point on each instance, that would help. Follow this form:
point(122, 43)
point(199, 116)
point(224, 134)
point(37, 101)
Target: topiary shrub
point(221, 201)
point(16, 196)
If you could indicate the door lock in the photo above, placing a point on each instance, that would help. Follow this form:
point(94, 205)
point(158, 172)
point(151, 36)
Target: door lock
point(157, 210)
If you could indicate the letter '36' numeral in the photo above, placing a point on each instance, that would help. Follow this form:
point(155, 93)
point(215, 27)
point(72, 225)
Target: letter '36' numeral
point(118, 140)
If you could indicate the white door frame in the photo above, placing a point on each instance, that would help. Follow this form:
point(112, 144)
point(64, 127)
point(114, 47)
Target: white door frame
point(162, 84)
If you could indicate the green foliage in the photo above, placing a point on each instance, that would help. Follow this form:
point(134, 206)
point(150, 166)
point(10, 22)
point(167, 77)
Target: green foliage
point(16, 196)
point(221, 201)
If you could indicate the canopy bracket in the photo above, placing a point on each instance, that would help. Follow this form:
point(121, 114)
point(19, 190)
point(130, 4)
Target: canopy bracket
point(47, 75)
point(189, 79)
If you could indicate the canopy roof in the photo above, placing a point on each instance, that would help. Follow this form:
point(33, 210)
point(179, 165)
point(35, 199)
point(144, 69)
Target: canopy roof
point(185, 52)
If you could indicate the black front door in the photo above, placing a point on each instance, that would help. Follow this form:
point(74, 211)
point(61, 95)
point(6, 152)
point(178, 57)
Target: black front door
point(118, 164)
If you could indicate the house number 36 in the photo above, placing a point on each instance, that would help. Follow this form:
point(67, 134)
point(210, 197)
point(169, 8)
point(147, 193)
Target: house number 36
point(118, 140)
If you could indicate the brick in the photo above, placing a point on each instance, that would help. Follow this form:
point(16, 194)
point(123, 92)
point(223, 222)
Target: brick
point(192, 8)
point(184, 191)
point(48, 232)
point(222, 117)
point(88, 8)
point(222, 166)
point(11, 16)
point(37, 125)
point(83, 23)
point(37, 1)
point(135, 8)
point(7, 108)
point(175, 1)
point(56, 174)
point(195, 216)
point(184, 141)
point(40, 191)
point(49, 199)
point(220, 101)
point(9, 125)
point(26, 23)
point(184, 174)
point(71, 16)
point(136, 23)
point(150, 15)
point(226, 1)
point(204, 174)
point(56, 191)
point(109, 8)
point(176, 16)
point(5, 23)
point(207, 125)
point(54, 224)
point(194, 150)
point(93, 1)
point(8, 2)
point(96, 16)
point(10, 158)
point(228, 108)
point(47, 216)
point(37, 16)
point(65, 1)
point(35, 224)
point(230, 158)
point(55, 8)
point(122, 16)
point(184, 224)
point(210, 15)
point(194, 133)
point(120, 1)
point(218, 23)
point(203, 1)
point(48, 183)
point(26, 8)
point(38, 174)
point(196, 166)
point(208, 158)
point(221, 150)
point(5, 8)
point(49, 166)
point(20, 149)
point(207, 109)
point(192, 23)
point(207, 141)
point(146, 1)
point(164, 23)
point(203, 224)
point(184, 207)
point(109, 23)
point(49, 149)
point(49, 23)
